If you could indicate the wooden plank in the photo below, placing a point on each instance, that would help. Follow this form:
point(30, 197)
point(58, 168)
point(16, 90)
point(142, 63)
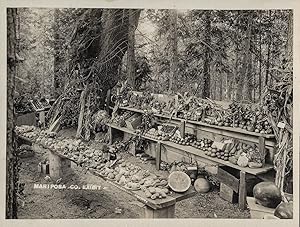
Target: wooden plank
point(158, 155)
point(242, 191)
point(228, 179)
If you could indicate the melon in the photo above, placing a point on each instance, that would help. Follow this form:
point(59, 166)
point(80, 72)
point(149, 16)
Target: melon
point(179, 181)
point(267, 194)
point(284, 210)
point(202, 185)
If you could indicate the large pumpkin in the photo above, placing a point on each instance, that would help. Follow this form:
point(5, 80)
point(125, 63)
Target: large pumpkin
point(202, 185)
point(267, 194)
point(284, 210)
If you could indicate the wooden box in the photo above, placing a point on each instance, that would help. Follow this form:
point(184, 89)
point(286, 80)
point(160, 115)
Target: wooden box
point(134, 121)
point(26, 119)
point(228, 194)
point(258, 211)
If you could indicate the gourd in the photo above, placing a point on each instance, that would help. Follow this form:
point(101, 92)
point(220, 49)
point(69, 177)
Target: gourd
point(267, 194)
point(284, 210)
point(242, 160)
point(202, 185)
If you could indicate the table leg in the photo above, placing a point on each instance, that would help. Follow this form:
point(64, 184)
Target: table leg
point(262, 148)
point(110, 135)
point(242, 190)
point(58, 165)
point(166, 212)
point(158, 155)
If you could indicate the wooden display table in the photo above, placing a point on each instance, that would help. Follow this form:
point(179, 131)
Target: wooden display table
point(159, 208)
point(239, 186)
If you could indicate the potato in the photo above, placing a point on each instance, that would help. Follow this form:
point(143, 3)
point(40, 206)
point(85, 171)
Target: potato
point(147, 194)
point(152, 190)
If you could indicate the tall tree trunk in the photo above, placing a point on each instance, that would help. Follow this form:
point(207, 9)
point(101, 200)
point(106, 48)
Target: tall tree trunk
point(174, 52)
point(243, 73)
point(57, 46)
point(11, 157)
point(100, 54)
point(131, 69)
point(207, 56)
point(289, 44)
point(221, 86)
point(268, 54)
point(260, 60)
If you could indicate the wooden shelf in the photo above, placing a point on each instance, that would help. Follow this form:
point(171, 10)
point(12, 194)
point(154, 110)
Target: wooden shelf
point(200, 153)
point(238, 130)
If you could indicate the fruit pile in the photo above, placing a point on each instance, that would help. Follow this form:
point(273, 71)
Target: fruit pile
point(202, 143)
point(188, 139)
point(214, 152)
point(163, 132)
point(157, 134)
point(120, 118)
point(30, 132)
point(236, 153)
point(135, 178)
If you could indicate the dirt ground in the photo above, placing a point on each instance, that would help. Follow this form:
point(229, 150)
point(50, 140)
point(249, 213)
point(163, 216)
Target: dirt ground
point(104, 203)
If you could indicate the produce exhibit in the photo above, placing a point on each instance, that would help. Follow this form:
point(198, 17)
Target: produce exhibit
point(128, 123)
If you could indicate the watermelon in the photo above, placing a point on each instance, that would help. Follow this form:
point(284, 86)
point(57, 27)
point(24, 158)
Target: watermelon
point(202, 185)
point(179, 181)
point(284, 210)
point(267, 194)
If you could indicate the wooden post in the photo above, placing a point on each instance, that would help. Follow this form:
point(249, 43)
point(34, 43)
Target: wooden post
point(58, 165)
point(110, 135)
point(166, 212)
point(262, 148)
point(108, 98)
point(182, 128)
point(158, 155)
point(242, 190)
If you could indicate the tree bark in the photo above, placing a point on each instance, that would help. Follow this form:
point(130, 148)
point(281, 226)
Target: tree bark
point(11, 157)
point(245, 66)
point(268, 54)
point(57, 46)
point(174, 52)
point(131, 69)
point(207, 56)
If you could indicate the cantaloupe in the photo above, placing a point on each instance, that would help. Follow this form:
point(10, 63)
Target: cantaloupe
point(179, 181)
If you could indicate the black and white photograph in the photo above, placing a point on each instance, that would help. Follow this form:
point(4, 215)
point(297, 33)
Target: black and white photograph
point(147, 113)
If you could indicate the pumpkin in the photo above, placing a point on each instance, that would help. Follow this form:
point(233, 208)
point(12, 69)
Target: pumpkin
point(179, 181)
point(284, 210)
point(202, 185)
point(267, 194)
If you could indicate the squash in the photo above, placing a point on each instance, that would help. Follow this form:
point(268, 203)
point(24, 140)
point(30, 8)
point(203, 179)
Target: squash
point(179, 181)
point(242, 161)
point(284, 210)
point(233, 159)
point(267, 194)
point(202, 185)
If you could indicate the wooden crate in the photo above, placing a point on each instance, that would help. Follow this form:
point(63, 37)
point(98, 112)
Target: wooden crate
point(258, 211)
point(134, 121)
point(228, 194)
point(26, 119)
